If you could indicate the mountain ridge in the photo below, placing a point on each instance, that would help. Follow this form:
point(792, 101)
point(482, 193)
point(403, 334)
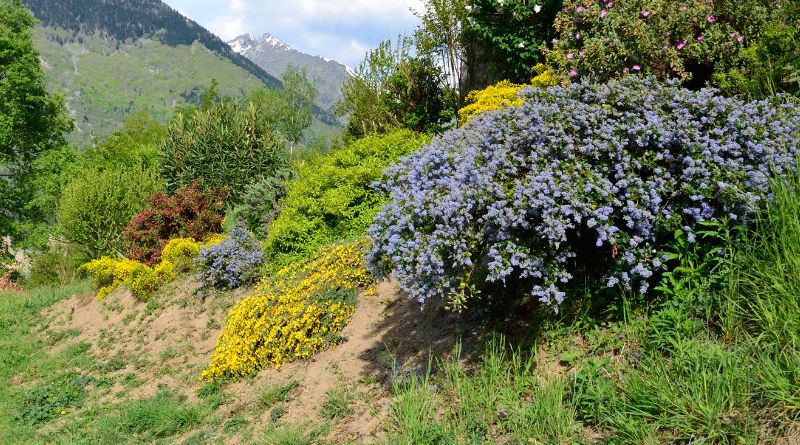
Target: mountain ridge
point(135, 19)
point(274, 56)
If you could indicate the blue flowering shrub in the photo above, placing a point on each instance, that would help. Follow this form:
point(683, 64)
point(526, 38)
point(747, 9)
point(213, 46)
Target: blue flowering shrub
point(232, 263)
point(586, 182)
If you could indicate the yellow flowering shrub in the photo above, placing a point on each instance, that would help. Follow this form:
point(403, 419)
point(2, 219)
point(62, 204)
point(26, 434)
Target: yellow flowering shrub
point(495, 97)
point(504, 94)
point(544, 77)
point(178, 256)
point(109, 273)
point(289, 317)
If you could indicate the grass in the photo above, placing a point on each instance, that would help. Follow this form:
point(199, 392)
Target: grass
point(338, 404)
point(271, 395)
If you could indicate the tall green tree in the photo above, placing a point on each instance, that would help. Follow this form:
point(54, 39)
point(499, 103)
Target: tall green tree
point(393, 87)
point(289, 109)
point(32, 121)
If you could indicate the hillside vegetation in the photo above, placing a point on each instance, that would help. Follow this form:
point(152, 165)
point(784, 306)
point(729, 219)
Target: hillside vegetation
point(602, 247)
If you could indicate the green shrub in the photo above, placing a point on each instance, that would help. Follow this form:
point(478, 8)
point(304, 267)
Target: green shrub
point(97, 205)
point(664, 38)
point(260, 204)
point(53, 398)
point(223, 146)
point(332, 199)
point(56, 266)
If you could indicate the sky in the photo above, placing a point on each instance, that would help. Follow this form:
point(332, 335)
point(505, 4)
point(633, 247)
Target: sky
point(342, 30)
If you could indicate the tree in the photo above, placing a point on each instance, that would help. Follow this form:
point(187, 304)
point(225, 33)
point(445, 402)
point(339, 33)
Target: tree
point(444, 35)
point(394, 88)
point(226, 146)
point(287, 110)
point(32, 121)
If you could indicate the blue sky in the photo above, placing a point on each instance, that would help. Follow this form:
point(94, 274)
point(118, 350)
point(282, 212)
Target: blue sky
point(342, 30)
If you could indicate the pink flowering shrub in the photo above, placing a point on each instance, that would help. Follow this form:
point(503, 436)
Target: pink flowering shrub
point(686, 39)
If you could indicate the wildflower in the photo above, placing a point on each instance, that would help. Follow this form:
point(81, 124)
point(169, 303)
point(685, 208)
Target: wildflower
point(637, 67)
point(579, 10)
point(700, 38)
point(645, 14)
point(740, 39)
point(681, 45)
point(570, 56)
point(711, 19)
point(603, 13)
point(521, 45)
point(582, 53)
point(573, 73)
point(537, 9)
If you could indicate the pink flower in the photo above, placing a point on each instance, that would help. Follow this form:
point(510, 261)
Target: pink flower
point(573, 73)
point(637, 67)
point(711, 19)
point(582, 53)
point(603, 13)
point(580, 9)
point(685, 8)
point(570, 56)
point(700, 38)
point(740, 39)
point(681, 45)
point(645, 14)
point(610, 4)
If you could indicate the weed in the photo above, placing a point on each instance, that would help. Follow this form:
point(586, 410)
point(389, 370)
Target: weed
point(337, 404)
point(273, 394)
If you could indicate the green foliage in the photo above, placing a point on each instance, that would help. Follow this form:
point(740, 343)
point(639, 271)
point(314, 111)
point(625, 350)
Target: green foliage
point(489, 408)
point(32, 121)
point(260, 204)
point(288, 110)
point(392, 88)
point(332, 198)
point(96, 205)
point(337, 404)
point(56, 266)
point(163, 415)
point(224, 146)
point(771, 63)
point(137, 143)
point(745, 49)
point(274, 394)
point(511, 35)
point(53, 399)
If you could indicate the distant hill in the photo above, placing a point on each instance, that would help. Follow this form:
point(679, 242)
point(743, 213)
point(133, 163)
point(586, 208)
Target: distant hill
point(136, 19)
point(113, 57)
point(275, 56)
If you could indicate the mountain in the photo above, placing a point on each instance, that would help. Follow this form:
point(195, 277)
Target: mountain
point(113, 57)
point(275, 56)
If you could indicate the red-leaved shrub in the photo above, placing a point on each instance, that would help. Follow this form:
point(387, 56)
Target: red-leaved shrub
point(191, 212)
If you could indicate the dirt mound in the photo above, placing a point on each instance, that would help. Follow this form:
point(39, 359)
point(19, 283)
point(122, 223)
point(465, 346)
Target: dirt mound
point(168, 341)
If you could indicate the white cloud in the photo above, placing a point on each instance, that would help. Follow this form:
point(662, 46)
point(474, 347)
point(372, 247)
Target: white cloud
point(337, 29)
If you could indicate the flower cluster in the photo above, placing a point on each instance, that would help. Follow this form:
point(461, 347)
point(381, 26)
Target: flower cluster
point(292, 315)
point(191, 212)
point(687, 39)
point(495, 97)
point(586, 179)
point(110, 273)
point(178, 256)
point(232, 262)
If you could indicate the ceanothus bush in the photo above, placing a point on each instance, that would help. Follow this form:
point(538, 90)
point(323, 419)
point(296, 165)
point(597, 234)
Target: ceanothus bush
point(231, 263)
point(582, 181)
